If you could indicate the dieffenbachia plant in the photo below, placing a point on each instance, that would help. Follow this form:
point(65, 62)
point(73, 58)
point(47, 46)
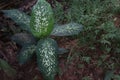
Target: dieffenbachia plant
point(39, 26)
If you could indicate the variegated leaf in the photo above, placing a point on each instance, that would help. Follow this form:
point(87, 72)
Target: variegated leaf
point(41, 19)
point(26, 53)
point(47, 58)
point(67, 29)
point(22, 19)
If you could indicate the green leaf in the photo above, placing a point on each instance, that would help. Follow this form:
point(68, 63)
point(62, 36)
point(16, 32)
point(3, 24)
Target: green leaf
point(86, 59)
point(109, 75)
point(23, 39)
point(19, 17)
point(67, 29)
point(103, 41)
point(42, 20)
point(26, 53)
point(7, 68)
point(47, 58)
point(117, 77)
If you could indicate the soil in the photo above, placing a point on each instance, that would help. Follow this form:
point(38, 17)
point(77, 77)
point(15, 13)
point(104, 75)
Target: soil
point(70, 69)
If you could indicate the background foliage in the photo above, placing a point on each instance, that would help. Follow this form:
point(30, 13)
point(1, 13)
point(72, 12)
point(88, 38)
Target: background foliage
point(100, 32)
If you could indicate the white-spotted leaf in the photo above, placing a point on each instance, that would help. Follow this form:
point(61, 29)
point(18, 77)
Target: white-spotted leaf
point(67, 29)
point(26, 53)
point(46, 51)
point(42, 20)
point(22, 19)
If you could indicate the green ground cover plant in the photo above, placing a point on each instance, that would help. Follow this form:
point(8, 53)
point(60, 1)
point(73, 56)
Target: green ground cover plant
point(99, 31)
